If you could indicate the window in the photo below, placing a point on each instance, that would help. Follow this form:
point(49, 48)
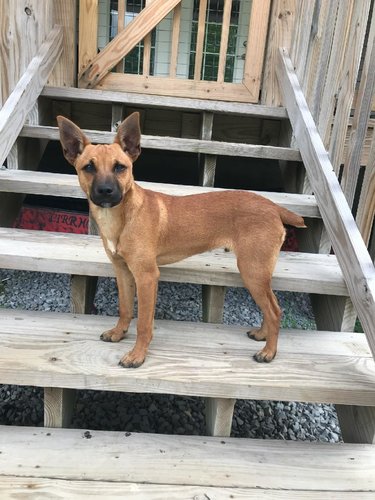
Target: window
point(212, 39)
point(134, 60)
point(161, 38)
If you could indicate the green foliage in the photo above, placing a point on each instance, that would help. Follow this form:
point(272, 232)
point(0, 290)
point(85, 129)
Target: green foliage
point(358, 327)
point(211, 51)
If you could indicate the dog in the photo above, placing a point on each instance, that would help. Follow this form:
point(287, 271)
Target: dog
point(143, 229)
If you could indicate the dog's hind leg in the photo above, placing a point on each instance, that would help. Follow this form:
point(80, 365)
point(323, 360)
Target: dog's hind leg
point(256, 266)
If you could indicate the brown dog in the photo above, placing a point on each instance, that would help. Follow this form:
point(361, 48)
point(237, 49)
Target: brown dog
point(143, 229)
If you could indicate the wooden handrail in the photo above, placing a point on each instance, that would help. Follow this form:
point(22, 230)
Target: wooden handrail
point(20, 102)
point(351, 252)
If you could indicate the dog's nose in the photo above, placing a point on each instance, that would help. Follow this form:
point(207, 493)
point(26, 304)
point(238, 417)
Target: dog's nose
point(105, 193)
point(105, 189)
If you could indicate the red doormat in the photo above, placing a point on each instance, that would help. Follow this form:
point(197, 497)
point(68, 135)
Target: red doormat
point(50, 219)
point(65, 221)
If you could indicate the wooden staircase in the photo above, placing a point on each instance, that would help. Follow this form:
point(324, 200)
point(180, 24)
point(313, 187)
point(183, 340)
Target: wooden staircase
point(61, 352)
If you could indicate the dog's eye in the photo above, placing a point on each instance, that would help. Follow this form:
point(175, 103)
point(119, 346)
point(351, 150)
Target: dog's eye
point(89, 168)
point(118, 168)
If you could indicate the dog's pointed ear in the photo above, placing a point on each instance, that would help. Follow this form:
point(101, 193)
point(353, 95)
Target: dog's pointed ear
point(72, 139)
point(129, 136)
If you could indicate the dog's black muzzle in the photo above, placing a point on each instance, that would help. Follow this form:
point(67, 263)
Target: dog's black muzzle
point(106, 193)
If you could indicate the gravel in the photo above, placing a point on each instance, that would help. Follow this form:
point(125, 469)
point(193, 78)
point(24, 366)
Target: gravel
point(163, 413)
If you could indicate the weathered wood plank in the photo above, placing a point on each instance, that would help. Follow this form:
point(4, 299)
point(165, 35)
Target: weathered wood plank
point(207, 162)
point(219, 416)
point(19, 21)
point(366, 206)
point(224, 40)
point(348, 73)
point(121, 6)
point(333, 72)
point(84, 254)
point(61, 489)
point(349, 247)
point(47, 183)
point(177, 87)
point(357, 423)
point(88, 33)
point(281, 23)
point(64, 73)
point(302, 34)
point(256, 42)
point(177, 144)
point(58, 406)
point(213, 298)
point(124, 42)
point(314, 78)
point(200, 39)
point(132, 99)
point(194, 359)
point(15, 110)
point(360, 120)
point(147, 49)
point(194, 460)
point(175, 41)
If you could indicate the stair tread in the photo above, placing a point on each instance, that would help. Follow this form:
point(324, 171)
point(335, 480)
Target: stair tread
point(194, 359)
point(65, 185)
point(66, 454)
point(187, 145)
point(158, 101)
point(61, 488)
point(84, 254)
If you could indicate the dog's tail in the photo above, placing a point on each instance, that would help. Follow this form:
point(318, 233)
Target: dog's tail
point(290, 218)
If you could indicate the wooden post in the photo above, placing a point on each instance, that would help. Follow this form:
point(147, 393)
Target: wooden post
point(58, 402)
point(357, 423)
point(219, 416)
point(281, 24)
point(219, 412)
point(207, 162)
point(58, 406)
point(213, 297)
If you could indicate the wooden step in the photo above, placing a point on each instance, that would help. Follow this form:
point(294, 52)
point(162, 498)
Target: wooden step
point(35, 488)
point(84, 255)
point(64, 185)
point(142, 466)
point(177, 144)
point(155, 101)
point(193, 359)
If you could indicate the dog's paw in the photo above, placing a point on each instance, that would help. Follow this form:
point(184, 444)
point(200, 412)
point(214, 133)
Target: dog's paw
point(264, 356)
point(113, 335)
point(132, 360)
point(256, 334)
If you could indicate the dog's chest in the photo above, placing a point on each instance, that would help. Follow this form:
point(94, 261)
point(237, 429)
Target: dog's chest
point(110, 228)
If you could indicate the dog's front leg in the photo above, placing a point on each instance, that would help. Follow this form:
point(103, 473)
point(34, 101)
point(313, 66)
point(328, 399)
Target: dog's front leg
point(147, 286)
point(126, 293)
